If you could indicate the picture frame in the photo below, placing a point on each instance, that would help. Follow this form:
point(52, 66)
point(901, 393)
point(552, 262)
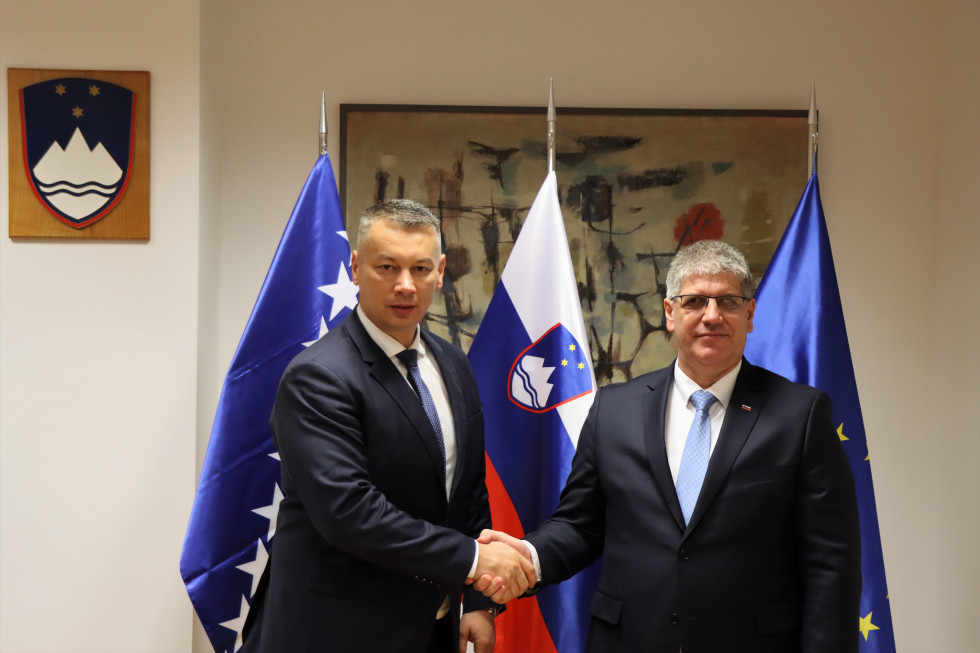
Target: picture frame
point(634, 185)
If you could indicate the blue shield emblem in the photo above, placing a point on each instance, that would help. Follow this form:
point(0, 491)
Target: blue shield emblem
point(549, 373)
point(78, 146)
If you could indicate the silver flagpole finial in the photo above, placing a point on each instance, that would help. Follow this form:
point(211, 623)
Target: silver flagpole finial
point(814, 123)
point(551, 125)
point(323, 123)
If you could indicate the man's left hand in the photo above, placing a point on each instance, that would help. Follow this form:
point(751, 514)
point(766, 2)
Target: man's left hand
point(477, 627)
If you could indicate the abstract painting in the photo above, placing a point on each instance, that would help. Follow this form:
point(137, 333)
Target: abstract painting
point(634, 185)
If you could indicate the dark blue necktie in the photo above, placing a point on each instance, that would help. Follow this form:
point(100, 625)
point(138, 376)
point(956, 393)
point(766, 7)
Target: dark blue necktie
point(694, 460)
point(409, 358)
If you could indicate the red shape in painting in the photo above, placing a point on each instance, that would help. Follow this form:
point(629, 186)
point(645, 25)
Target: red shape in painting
point(701, 222)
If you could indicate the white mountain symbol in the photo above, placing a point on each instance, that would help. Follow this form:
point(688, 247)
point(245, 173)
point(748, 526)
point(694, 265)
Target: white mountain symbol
point(529, 383)
point(92, 174)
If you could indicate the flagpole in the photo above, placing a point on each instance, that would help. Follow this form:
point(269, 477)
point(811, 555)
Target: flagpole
point(813, 122)
point(551, 125)
point(323, 123)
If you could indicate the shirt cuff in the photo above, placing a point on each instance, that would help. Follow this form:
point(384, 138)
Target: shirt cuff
point(476, 559)
point(534, 558)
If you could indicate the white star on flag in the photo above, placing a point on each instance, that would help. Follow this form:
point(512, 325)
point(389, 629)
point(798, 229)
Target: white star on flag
point(271, 512)
point(343, 234)
point(255, 568)
point(343, 292)
point(238, 623)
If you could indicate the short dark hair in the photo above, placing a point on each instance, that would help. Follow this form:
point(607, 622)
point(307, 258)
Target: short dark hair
point(405, 213)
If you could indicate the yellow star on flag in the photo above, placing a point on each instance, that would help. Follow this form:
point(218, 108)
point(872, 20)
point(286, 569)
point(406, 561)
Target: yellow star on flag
point(581, 366)
point(77, 112)
point(840, 433)
point(60, 89)
point(93, 90)
point(564, 362)
point(571, 347)
point(865, 625)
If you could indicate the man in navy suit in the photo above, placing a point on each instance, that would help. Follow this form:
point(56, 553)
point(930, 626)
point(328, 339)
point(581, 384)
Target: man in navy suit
point(717, 493)
point(380, 432)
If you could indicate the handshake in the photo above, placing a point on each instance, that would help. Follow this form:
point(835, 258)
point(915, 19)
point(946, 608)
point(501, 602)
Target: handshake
point(504, 569)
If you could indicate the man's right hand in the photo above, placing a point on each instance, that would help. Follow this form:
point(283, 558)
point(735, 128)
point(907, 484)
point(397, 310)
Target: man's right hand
point(502, 572)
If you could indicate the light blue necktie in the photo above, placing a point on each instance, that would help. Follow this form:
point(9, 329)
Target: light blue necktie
point(409, 358)
point(694, 460)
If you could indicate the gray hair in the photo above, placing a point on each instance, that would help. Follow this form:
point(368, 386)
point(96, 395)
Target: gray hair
point(708, 257)
point(408, 214)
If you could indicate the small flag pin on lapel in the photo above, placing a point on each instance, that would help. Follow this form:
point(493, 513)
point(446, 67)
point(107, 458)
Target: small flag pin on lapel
point(747, 409)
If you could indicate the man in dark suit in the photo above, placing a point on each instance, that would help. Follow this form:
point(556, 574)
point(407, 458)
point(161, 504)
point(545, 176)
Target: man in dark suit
point(728, 521)
point(380, 432)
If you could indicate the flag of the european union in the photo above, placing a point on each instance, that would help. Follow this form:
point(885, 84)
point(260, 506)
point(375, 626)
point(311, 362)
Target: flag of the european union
point(307, 291)
point(799, 332)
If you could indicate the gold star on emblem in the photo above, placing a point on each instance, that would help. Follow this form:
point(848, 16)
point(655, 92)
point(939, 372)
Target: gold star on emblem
point(77, 112)
point(865, 625)
point(564, 362)
point(60, 89)
point(581, 366)
point(93, 90)
point(840, 433)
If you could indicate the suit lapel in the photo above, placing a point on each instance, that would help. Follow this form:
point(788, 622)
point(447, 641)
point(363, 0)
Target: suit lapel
point(654, 420)
point(397, 387)
point(740, 416)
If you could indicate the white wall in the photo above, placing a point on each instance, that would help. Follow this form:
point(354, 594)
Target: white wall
point(98, 352)
point(96, 487)
point(951, 446)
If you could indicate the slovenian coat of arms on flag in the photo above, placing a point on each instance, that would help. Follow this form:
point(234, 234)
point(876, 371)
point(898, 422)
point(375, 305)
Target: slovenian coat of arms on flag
point(550, 372)
point(78, 140)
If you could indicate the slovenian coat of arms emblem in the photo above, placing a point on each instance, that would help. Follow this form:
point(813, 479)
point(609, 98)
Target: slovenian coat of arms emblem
point(78, 138)
point(550, 372)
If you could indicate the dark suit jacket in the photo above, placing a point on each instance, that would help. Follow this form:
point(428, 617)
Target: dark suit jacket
point(366, 544)
point(771, 559)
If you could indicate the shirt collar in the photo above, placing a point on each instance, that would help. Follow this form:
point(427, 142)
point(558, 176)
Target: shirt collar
point(388, 345)
point(722, 389)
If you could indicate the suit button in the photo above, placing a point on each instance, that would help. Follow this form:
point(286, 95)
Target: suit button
point(675, 619)
point(685, 554)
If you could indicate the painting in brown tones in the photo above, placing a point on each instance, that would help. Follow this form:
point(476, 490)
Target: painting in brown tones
point(634, 186)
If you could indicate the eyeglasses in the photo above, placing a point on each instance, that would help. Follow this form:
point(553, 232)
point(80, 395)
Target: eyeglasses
point(698, 303)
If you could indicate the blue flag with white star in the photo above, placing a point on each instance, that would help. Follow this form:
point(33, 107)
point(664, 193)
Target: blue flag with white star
point(799, 332)
point(307, 291)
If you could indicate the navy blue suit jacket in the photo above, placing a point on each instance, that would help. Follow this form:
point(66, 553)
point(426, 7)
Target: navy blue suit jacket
point(367, 544)
point(771, 559)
